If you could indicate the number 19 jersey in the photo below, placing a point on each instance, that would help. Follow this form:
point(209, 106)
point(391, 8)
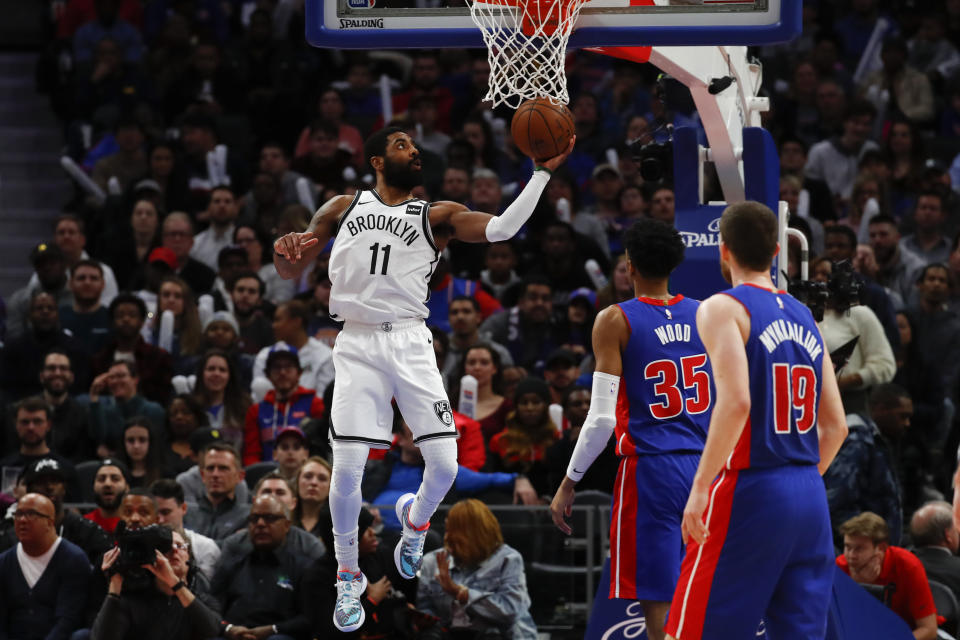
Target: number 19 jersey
point(666, 389)
point(382, 261)
point(785, 362)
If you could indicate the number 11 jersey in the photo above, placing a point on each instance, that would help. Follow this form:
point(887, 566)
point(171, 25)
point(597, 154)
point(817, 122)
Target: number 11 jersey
point(382, 261)
point(785, 362)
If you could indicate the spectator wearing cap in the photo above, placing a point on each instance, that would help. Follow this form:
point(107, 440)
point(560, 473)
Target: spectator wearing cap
point(191, 480)
point(110, 484)
point(928, 240)
point(69, 235)
point(129, 162)
point(48, 477)
point(522, 445)
point(32, 423)
point(44, 579)
point(909, 90)
point(287, 404)
point(605, 185)
point(222, 214)
point(171, 508)
point(22, 358)
point(69, 420)
point(246, 296)
point(291, 450)
point(220, 331)
point(50, 268)
point(561, 369)
point(261, 593)
point(177, 235)
point(581, 312)
point(129, 314)
point(114, 399)
point(160, 264)
point(465, 318)
point(290, 322)
point(87, 320)
point(231, 261)
point(219, 512)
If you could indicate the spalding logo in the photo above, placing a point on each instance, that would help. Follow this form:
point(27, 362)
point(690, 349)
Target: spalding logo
point(709, 239)
point(361, 4)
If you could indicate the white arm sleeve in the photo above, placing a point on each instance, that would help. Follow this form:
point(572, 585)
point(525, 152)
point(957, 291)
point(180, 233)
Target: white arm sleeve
point(601, 419)
point(508, 223)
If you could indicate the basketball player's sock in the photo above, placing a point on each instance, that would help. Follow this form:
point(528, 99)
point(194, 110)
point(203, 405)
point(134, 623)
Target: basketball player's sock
point(349, 459)
point(440, 459)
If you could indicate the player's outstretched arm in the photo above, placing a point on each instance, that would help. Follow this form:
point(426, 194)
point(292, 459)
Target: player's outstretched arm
point(610, 335)
point(831, 420)
point(292, 252)
point(724, 326)
point(475, 226)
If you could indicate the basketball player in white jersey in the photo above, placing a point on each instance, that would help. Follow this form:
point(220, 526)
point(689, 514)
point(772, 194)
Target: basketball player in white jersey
point(380, 268)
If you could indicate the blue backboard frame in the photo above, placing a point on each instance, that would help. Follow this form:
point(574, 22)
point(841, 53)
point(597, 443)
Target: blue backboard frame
point(786, 28)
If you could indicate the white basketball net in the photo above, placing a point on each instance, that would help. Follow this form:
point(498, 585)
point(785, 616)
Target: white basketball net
point(526, 47)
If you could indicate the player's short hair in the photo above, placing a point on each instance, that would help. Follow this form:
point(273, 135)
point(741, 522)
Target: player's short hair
point(128, 298)
point(868, 525)
point(883, 396)
point(749, 230)
point(376, 144)
point(842, 230)
point(473, 302)
point(167, 489)
point(87, 262)
point(654, 247)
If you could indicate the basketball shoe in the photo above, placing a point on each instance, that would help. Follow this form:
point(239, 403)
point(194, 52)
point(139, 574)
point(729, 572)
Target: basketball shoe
point(348, 615)
point(409, 552)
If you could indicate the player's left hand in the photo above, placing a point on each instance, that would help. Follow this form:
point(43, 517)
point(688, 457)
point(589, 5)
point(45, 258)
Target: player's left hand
point(693, 526)
point(562, 507)
point(554, 163)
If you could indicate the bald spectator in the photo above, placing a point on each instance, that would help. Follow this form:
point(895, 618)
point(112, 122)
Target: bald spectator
point(936, 541)
point(43, 580)
point(222, 213)
point(177, 235)
point(219, 513)
point(261, 592)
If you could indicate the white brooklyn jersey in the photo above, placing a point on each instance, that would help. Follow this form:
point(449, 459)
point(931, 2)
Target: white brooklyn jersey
point(382, 261)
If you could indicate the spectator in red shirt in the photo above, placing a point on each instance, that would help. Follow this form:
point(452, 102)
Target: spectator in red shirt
point(110, 485)
point(869, 558)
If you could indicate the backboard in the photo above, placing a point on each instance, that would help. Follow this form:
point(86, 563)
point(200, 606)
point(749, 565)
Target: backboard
point(376, 24)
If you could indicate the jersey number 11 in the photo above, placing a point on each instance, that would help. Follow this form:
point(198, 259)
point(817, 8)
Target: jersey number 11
point(375, 250)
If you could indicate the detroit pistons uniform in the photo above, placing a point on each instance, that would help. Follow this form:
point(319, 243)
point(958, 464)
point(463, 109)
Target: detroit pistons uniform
point(662, 415)
point(380, 269)
point(769, 552)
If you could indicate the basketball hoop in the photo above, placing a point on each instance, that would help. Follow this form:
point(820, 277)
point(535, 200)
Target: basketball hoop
point(526, 47)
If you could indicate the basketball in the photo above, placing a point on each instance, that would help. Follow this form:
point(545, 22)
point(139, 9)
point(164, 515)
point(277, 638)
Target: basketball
point(542, 129)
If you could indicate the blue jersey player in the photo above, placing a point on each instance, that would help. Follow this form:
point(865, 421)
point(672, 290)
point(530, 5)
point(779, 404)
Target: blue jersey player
point(651, 388)
point(756, 522)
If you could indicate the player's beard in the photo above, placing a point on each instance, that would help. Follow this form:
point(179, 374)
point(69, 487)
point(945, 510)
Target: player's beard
point(401, 175)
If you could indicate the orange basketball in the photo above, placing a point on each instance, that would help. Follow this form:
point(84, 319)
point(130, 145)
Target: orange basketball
point(542, 129)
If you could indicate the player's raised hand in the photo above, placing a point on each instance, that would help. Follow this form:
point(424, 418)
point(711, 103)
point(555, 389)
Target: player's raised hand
point(554, 163)
point(562, 506)
point(693, 526)
point(292, 245)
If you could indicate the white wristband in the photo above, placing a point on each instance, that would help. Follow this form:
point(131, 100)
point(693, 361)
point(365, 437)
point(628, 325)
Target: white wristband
point(600, 422)
point(508, 223)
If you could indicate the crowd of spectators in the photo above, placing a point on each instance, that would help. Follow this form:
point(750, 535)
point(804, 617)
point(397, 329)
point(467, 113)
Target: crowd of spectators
point(155, 357)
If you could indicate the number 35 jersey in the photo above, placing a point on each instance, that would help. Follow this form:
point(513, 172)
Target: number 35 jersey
point(785, 362)
point(382, 261)
point(666, 390)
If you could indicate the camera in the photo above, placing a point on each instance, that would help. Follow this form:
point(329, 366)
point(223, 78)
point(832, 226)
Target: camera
point(840, 292)
point(139, 547)
point(655, 160)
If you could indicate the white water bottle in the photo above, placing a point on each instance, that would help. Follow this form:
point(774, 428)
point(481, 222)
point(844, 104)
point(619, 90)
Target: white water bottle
point(556, 416)
point(597, 277)
point(165, 337)
point(468, 396)
point(563, 210)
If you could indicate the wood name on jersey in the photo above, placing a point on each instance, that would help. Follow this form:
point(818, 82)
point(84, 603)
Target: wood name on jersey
point(399, 227)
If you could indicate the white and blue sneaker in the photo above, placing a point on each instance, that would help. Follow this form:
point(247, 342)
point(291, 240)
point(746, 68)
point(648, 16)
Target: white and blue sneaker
point(348, 615)
point(409, 552)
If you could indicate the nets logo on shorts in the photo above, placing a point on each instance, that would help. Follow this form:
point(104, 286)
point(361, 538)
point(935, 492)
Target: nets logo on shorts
point(443, 411)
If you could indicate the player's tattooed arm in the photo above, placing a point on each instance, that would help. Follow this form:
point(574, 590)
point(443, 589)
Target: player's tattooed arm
point(468, 226)
point(294, 251)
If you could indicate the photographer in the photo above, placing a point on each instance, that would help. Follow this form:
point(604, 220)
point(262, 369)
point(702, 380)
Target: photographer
point(167, 608)
point(871, 362)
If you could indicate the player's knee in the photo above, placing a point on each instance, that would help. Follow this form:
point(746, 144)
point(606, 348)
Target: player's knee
point(440, 459)
point(349, 459)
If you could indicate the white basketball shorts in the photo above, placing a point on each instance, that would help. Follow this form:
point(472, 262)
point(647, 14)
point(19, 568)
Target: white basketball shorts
point(377, 362)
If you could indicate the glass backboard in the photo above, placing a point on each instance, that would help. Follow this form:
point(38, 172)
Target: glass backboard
point(374, 24)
